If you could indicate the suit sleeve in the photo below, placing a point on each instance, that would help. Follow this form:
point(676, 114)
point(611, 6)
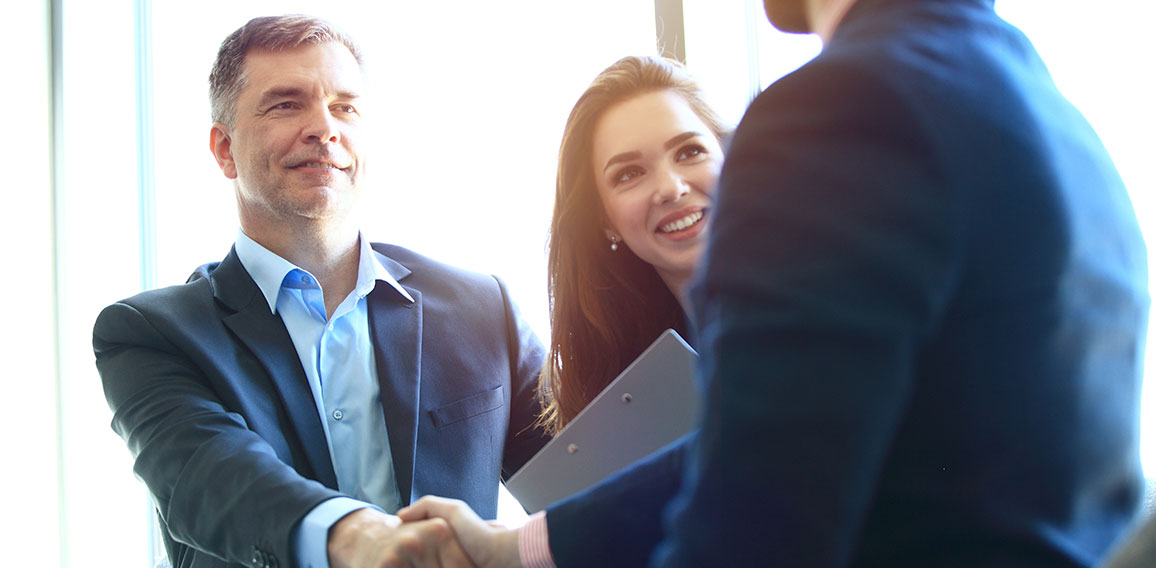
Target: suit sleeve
point(526, 354)
point(217, 485)
point(830, 257)
point(619, 521)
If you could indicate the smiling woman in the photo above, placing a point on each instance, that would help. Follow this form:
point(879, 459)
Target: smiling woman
point(639, 160)
point(656, 164)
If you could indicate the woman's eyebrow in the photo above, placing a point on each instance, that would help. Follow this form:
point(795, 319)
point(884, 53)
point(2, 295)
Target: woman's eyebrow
point(623, 157)
point(680, 139)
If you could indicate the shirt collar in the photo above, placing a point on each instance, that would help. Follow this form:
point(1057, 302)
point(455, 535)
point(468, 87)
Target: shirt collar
point(268, 269)
point(370, 270)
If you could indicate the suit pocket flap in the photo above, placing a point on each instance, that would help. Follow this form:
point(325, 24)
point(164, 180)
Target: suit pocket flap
point(468, 407)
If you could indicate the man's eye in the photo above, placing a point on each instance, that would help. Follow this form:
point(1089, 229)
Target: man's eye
point(348, 109)
point(282, 106)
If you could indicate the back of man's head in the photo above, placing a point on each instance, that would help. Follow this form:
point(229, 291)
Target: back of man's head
point(272, 33)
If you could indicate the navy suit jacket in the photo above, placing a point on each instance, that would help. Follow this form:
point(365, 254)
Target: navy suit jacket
point(921, 314)
point(209, 393)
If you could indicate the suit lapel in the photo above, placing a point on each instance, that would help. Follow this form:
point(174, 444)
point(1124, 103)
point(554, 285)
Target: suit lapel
point(265, 335)
point(395, 324)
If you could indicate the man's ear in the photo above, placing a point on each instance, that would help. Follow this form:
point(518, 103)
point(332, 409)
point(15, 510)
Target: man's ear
point(221, 144)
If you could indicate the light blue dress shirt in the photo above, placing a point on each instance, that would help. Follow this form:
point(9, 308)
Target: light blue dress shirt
point(337, 356)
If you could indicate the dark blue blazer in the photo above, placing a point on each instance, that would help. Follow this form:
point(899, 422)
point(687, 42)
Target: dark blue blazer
point(209, 393)
point(921, 315)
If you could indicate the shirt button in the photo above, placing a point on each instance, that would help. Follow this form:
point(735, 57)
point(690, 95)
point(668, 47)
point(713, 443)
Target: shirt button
point(304, 279)
point(338, 415)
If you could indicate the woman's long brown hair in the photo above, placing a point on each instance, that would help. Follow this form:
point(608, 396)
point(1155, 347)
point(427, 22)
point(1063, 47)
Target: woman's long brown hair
point(605, 306)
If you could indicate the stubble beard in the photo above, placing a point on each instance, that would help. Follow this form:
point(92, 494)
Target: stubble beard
point(282, 202)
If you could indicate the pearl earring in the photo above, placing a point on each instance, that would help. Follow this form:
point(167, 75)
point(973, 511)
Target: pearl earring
point(613, 243)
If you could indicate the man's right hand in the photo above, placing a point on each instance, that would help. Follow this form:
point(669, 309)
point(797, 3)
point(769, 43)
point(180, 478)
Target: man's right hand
point(368, 538)
point(490, 545)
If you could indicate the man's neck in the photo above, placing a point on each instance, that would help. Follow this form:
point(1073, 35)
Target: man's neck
point(330, 254)
point(825, 16)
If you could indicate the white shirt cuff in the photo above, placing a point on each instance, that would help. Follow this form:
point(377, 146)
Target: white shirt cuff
point(310, 538)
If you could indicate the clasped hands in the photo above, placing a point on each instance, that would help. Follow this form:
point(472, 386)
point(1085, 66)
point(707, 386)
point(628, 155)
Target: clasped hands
point(431, 532)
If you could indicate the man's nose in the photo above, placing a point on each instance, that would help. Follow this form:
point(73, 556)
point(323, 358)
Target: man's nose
point(321, 127)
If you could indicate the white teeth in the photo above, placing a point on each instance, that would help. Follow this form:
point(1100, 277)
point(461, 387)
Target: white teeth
point(681, 223)
point(319, 165)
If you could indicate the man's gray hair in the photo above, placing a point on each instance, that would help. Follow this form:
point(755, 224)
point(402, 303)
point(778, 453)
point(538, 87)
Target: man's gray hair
point(272, 33)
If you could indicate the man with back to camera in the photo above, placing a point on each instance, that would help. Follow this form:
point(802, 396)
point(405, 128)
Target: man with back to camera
point(286, 399)
point(922, 317)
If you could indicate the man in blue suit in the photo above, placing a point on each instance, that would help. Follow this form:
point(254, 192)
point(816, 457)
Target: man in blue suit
point(921, 314)
point(923, 309)
point(281, 403)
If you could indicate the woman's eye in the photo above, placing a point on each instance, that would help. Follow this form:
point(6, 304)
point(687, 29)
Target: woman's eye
point(691, 151)
point(626, 175)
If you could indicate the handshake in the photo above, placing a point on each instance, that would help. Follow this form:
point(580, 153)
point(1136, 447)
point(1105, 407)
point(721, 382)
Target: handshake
point(432, 532)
